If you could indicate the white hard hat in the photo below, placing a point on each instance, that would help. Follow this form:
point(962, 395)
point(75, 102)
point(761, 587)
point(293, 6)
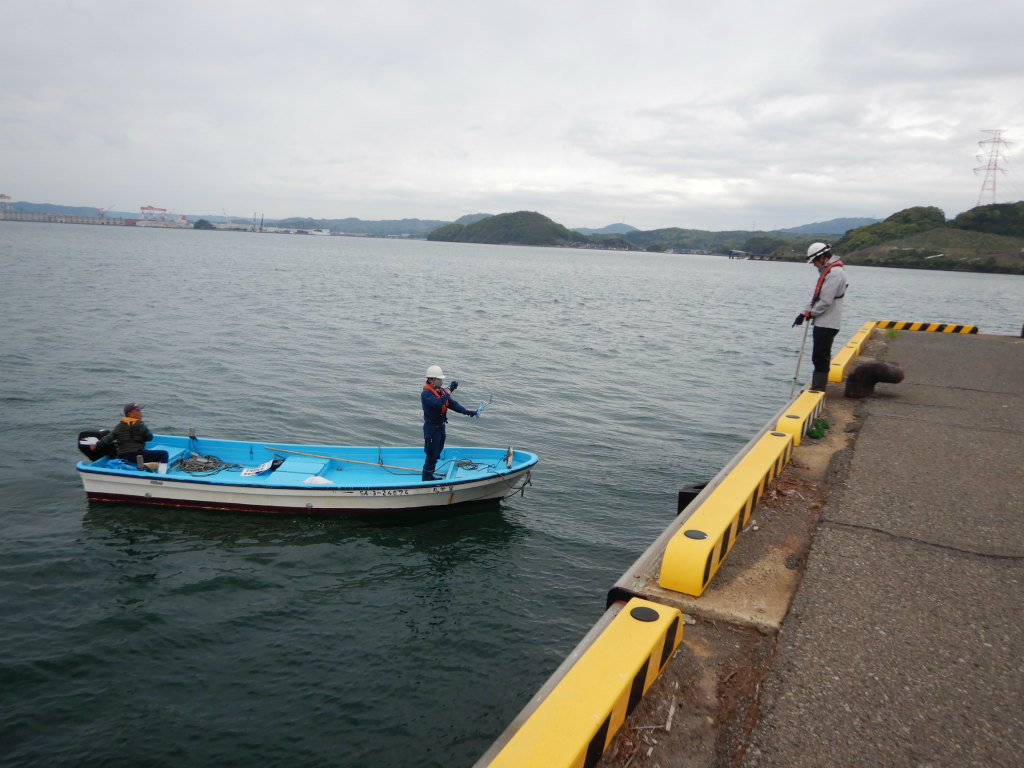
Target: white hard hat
point(434, 372)
point(814, 250)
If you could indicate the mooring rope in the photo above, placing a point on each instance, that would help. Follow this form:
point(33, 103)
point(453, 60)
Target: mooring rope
point(521, 488)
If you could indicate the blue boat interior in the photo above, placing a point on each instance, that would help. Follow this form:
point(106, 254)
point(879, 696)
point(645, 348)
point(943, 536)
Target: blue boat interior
point(234, 462)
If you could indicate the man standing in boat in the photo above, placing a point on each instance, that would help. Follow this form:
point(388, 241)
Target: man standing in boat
point(436, 401)
point(825, 309)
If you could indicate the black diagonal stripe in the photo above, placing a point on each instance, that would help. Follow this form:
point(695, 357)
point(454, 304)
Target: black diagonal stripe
point(636, 690)
point(669, 646)
point(596, 747)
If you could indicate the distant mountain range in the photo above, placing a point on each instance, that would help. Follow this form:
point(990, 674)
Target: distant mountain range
point(984, 239)
point(415, 228)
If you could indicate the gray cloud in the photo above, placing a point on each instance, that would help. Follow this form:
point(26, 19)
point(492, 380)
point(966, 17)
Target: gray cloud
point(657, 113)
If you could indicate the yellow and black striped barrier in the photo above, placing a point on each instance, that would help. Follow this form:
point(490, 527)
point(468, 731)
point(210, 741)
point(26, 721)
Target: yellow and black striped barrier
point(800, 414)
point(575, 715)
point(841, 361)
point(694, 553)
point(936, 327)
point(863, 334)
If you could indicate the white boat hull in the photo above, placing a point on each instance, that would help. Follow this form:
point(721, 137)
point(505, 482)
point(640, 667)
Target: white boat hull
point(311, 480)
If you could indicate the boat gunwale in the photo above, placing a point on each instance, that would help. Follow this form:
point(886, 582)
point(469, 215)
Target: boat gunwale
point(138, 478)
point(378, 490)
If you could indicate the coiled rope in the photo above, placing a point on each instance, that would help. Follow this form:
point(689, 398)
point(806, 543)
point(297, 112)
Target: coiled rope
point(204, 466)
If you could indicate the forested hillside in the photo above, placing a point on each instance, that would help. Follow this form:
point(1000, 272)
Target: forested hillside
point(985, 239)
point(520, 228)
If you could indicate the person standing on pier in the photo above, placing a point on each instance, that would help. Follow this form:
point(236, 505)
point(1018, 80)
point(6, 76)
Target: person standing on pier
point(436, 401)
point(825, 310)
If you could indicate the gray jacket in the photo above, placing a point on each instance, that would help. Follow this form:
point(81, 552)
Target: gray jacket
point(827, 309)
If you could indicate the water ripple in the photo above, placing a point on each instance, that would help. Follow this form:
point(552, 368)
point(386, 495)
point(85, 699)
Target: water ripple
point(170, 637)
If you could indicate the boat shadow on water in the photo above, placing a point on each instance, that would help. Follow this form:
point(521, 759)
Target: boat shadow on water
point(488, 525)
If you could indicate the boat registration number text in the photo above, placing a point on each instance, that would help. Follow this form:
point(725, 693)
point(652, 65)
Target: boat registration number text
point(402, 491)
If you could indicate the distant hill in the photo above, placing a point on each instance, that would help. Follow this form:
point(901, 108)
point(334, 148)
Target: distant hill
point(675, 239)
point(985, 239)
point(611, 229)
point(830, 227)
point(997, 219)
point(519, 228)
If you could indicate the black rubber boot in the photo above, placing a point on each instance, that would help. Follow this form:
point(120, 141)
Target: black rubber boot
point(819, 380)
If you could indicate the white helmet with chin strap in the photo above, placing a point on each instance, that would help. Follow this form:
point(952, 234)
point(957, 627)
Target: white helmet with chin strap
point(434, 372)
point(816, 250)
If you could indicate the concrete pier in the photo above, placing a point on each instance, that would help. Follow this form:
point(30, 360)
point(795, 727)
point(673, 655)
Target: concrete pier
point(873, 611)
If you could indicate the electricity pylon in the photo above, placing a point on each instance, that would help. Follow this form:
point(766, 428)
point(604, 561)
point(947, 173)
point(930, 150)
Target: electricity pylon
point(991, 163)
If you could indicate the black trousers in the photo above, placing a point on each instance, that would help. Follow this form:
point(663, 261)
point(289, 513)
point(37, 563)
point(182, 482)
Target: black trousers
point(821, 351)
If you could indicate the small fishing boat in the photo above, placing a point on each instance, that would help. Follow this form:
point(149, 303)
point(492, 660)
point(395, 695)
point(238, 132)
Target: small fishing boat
point(302, 479)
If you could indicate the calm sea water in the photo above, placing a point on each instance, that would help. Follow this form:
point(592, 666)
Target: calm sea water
point(136, 636)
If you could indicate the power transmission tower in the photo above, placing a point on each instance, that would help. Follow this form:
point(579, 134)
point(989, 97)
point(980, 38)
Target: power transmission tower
point(991, 163)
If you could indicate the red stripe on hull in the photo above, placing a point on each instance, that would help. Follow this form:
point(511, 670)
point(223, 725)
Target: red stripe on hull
point(270, 510)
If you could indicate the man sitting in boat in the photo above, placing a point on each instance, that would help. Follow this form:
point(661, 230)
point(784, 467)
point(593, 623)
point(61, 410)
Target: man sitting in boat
point(436, 401)
point(129, 437)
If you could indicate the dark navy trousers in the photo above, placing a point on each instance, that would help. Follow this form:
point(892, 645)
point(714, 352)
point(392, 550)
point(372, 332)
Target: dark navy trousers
point(433, 444)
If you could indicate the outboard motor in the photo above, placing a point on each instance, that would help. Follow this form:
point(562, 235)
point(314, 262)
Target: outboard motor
point(88, 438)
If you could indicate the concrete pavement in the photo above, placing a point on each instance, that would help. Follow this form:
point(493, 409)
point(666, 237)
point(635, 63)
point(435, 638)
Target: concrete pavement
point(905, 643)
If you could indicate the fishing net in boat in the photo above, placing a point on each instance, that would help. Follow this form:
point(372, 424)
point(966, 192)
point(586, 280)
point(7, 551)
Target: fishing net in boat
point(196, 464)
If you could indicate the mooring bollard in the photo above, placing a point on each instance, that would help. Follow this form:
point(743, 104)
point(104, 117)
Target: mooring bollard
point(688, 494)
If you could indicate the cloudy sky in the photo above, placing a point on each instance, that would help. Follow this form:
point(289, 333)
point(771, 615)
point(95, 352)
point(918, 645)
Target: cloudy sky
point(658, 113)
